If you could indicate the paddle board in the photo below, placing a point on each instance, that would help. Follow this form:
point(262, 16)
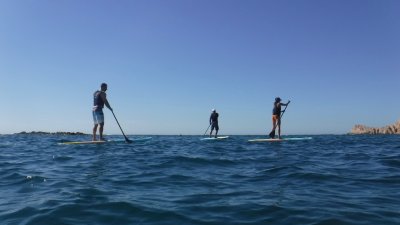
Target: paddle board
point(282, 139)
point(138, 139)
point(214, 139)
point(83, 142)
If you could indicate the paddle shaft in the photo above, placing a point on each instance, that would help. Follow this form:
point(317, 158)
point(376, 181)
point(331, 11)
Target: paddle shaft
point(126, 139)
point(207, 129)
point(283, 111)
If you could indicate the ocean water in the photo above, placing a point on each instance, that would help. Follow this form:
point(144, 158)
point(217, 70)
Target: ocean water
point(328, 180)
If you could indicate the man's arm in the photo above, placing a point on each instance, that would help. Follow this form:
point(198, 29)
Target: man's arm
point(104, 98)
point(285, 104)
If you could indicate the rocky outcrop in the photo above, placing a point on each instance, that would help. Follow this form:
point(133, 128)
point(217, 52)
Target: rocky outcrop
point(391, 129)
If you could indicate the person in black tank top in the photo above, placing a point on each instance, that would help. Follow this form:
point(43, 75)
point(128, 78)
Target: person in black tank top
point(99, 100)
point(214, 122)
point(276, 116)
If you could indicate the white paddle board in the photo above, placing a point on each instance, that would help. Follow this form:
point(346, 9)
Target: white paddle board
point(214, 139)
point(138, 139)
point(83, 142)
point(282, 139)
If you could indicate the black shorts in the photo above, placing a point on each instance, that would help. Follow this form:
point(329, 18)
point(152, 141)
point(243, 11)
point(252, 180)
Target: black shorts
point(214, 126)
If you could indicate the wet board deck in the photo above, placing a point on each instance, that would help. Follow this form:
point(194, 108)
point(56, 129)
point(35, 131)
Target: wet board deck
point(214, 139)
point(279, 140)
point(105, 142)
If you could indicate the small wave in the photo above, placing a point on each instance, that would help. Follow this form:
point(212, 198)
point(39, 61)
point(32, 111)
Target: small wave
point(392, 162)
point(102, 213)
point(62, 158)
point(185, 160)
point(17, 179)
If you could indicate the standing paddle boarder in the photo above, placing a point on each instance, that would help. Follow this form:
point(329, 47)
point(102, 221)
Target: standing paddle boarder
point(214, 122)
point(99, 100)
point(276, 117)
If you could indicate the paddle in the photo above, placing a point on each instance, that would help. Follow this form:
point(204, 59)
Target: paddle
point(272, 133)
point(207, 129)
point(126, 139)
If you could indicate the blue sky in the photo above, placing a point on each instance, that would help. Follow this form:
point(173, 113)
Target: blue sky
point(169, 62)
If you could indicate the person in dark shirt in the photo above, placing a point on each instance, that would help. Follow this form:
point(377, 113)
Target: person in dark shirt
point(99, 100)
point(276, 117)
point(214, 122)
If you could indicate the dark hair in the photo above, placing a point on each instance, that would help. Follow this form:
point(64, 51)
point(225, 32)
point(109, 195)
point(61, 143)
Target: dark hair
point(103, 85)
point(277, 99)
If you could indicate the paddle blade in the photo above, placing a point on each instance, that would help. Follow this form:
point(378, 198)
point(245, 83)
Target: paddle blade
point(272, 134)
point(127, 140)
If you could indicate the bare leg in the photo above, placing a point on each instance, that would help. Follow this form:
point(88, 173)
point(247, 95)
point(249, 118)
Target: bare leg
point(274, 126)
point(279, 129)
point(274, 123)
point(211, 132)
point(101, 131)
point(216, 133)
point(94, 132)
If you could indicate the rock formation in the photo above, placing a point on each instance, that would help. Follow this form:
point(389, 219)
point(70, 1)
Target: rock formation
point(391, 129)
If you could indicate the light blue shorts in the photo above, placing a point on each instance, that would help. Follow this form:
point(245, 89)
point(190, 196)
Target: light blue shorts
point(98, 117)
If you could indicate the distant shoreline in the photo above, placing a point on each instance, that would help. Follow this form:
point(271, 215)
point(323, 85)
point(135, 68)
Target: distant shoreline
point(52, 133)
